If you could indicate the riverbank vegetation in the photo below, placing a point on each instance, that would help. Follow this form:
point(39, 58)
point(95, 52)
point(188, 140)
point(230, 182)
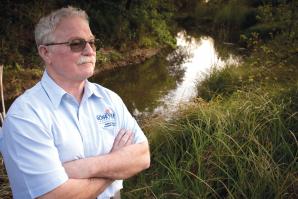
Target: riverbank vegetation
point(238, 139)
point(241, 147)
point(120, 24)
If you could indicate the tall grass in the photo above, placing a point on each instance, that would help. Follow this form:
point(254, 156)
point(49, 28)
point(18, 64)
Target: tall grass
point(243, 147)
point(5, 191)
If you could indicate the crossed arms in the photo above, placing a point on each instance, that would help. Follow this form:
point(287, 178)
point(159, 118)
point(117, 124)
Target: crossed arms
point(89, 177)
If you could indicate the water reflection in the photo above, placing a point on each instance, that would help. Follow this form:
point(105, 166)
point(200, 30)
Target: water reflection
point(160, 84)
point(141, 86)
point(201, 58)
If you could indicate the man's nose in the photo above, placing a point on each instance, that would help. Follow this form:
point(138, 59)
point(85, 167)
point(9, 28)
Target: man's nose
point(88, 50)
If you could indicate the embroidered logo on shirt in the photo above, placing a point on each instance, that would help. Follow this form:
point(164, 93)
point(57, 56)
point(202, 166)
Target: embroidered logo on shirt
point(108, 118)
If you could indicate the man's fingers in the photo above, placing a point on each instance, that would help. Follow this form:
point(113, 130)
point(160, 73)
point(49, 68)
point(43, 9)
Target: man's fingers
point(130, 139)
point(125, 138)
point(119, 136)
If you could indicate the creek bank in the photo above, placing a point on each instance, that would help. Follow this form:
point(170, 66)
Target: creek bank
point(17, 79)
point(111, 59)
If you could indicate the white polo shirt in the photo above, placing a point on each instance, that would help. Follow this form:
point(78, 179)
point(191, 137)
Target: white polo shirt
point(46, 126)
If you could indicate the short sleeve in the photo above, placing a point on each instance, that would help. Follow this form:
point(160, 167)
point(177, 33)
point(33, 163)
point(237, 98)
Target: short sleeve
point(31, 158)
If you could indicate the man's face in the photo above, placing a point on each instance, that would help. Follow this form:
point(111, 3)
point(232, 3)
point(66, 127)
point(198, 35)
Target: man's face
point(63, 63)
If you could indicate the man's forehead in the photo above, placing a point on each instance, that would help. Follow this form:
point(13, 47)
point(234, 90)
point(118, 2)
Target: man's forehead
point(71, 21)
point(73, 27)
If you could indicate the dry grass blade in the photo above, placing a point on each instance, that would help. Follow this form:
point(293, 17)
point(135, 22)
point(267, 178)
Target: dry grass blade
point(2, 114)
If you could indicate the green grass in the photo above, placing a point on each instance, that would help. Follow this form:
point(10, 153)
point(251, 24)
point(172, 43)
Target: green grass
point(243, 147)
point(5, 191)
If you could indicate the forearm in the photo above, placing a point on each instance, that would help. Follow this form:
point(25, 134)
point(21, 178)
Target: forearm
point(79, 188)
point(123, 163)
point(120, 164)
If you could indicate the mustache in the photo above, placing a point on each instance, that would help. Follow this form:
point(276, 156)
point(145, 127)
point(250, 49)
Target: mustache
point(87, 59)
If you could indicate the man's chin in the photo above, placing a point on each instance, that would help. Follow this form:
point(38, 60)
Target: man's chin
point(90, 73)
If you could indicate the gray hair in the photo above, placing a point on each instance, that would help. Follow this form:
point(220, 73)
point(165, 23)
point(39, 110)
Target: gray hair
point(46, 26)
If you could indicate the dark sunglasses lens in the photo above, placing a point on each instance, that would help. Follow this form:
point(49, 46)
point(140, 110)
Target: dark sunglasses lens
point(80, 44)
point(77, 45)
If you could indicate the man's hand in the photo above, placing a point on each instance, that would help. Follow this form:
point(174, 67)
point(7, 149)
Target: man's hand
point(124, 138)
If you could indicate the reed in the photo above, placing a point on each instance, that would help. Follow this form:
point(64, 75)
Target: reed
point(5, 191)
point(243, 147)
point(3, 113)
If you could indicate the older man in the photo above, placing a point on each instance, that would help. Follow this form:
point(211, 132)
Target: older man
point(67, 137)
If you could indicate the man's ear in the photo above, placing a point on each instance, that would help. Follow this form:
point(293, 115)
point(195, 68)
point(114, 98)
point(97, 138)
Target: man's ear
point(44, 53)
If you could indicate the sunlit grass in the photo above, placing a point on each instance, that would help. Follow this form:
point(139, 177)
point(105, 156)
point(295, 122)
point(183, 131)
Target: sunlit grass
point(243, 147)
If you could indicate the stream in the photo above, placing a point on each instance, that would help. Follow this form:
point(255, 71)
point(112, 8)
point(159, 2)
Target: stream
point(164, 82)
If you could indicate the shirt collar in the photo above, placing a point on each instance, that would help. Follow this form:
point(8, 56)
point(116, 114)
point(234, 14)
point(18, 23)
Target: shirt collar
point(52, 89)
point(55, 92)
point(91, 89)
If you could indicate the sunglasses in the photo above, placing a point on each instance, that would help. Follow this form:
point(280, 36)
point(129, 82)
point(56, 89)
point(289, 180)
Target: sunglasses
point(77, 45)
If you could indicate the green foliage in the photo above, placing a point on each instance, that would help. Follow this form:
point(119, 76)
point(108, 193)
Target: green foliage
point(231, 18)
point(16, 31)
point(17, 79)
point(114, 56)
point(223, 82)
point(101, 58)
point(163, 34)
point(236, 148)
point(272, 61)
point(227, 19)
point(156, 23)
point(121, 24)
point(274, 20)
point(234, 15)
